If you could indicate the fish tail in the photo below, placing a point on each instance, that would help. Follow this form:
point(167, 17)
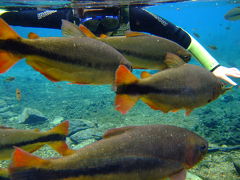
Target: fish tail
point(61, 146)
point(124, 102)
point(124, 76)
point(7, 59)
point(23, 161)
point(62, 128)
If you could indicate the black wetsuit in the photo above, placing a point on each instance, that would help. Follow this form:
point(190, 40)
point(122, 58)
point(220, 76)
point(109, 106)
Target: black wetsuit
point(140, 20)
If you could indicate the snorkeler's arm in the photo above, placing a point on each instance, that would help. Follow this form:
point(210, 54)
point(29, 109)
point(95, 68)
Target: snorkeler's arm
point(38, 18)
point(143, 20)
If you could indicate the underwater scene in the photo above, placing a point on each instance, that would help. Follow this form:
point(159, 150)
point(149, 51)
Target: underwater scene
point(113, 90)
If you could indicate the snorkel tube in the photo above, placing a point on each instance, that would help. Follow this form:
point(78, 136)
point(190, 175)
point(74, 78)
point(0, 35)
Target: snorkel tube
point(201, 54)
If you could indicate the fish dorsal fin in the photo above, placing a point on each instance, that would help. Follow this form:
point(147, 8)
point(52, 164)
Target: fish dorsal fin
point(173, 60)
point(71, 30)
point(145, 74)
point(134, 34)
point(22, 158)
point(116, 131)
point(6, 32)
point(61, 128)
point(32, 35)
point(86, 31)
point(124, 76)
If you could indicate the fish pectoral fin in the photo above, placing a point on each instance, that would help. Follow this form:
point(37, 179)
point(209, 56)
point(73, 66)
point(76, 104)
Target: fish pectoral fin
point(145, 74)
point(43, 69)
point(61, 147)
point(124, 102)
point(156, 106)
point(173, 60)
point(134, 34)
point(179, 176)
point(86, 31)
point(71, 30)
point(117, 131)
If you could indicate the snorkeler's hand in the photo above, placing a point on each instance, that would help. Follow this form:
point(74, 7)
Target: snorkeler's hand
point(223, 73)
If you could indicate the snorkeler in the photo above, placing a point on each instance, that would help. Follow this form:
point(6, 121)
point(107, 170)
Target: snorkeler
point(113, 19)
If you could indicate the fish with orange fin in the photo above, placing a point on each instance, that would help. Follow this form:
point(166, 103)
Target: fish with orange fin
point(79, 60)
point(147, 152)
point(144, 51)
point(31, 140)
point(184, 86)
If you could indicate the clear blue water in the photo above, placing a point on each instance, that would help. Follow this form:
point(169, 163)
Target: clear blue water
point(218, 122)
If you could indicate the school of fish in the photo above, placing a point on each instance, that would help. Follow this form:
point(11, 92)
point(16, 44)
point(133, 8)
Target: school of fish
point(148, 152)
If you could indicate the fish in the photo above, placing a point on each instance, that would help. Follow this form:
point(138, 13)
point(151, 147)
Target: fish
point(4, 175)
point(196, 35)
point(144, 51)
point(213, 47)
point(77, 60)
point(146, 152)
point(32, 140)
point(184, 86)
point(18, 94)
point(11, 78)
point(233, 14)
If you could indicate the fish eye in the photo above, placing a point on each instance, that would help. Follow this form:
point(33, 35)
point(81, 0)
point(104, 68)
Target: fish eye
point(187, 57)
point(203, 148)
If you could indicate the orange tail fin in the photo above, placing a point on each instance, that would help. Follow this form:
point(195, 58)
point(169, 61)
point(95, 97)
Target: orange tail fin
point(62, 128)
point(124, 76)
point(7, 59)
point(124, 102)
point(60, 146)
point(25, 159)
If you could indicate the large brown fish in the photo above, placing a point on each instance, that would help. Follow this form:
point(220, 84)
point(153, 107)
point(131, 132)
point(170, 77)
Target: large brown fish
point(151, 152)
point(31, 140)
point(78, 60)
point(142, 50)
point(184, 87)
